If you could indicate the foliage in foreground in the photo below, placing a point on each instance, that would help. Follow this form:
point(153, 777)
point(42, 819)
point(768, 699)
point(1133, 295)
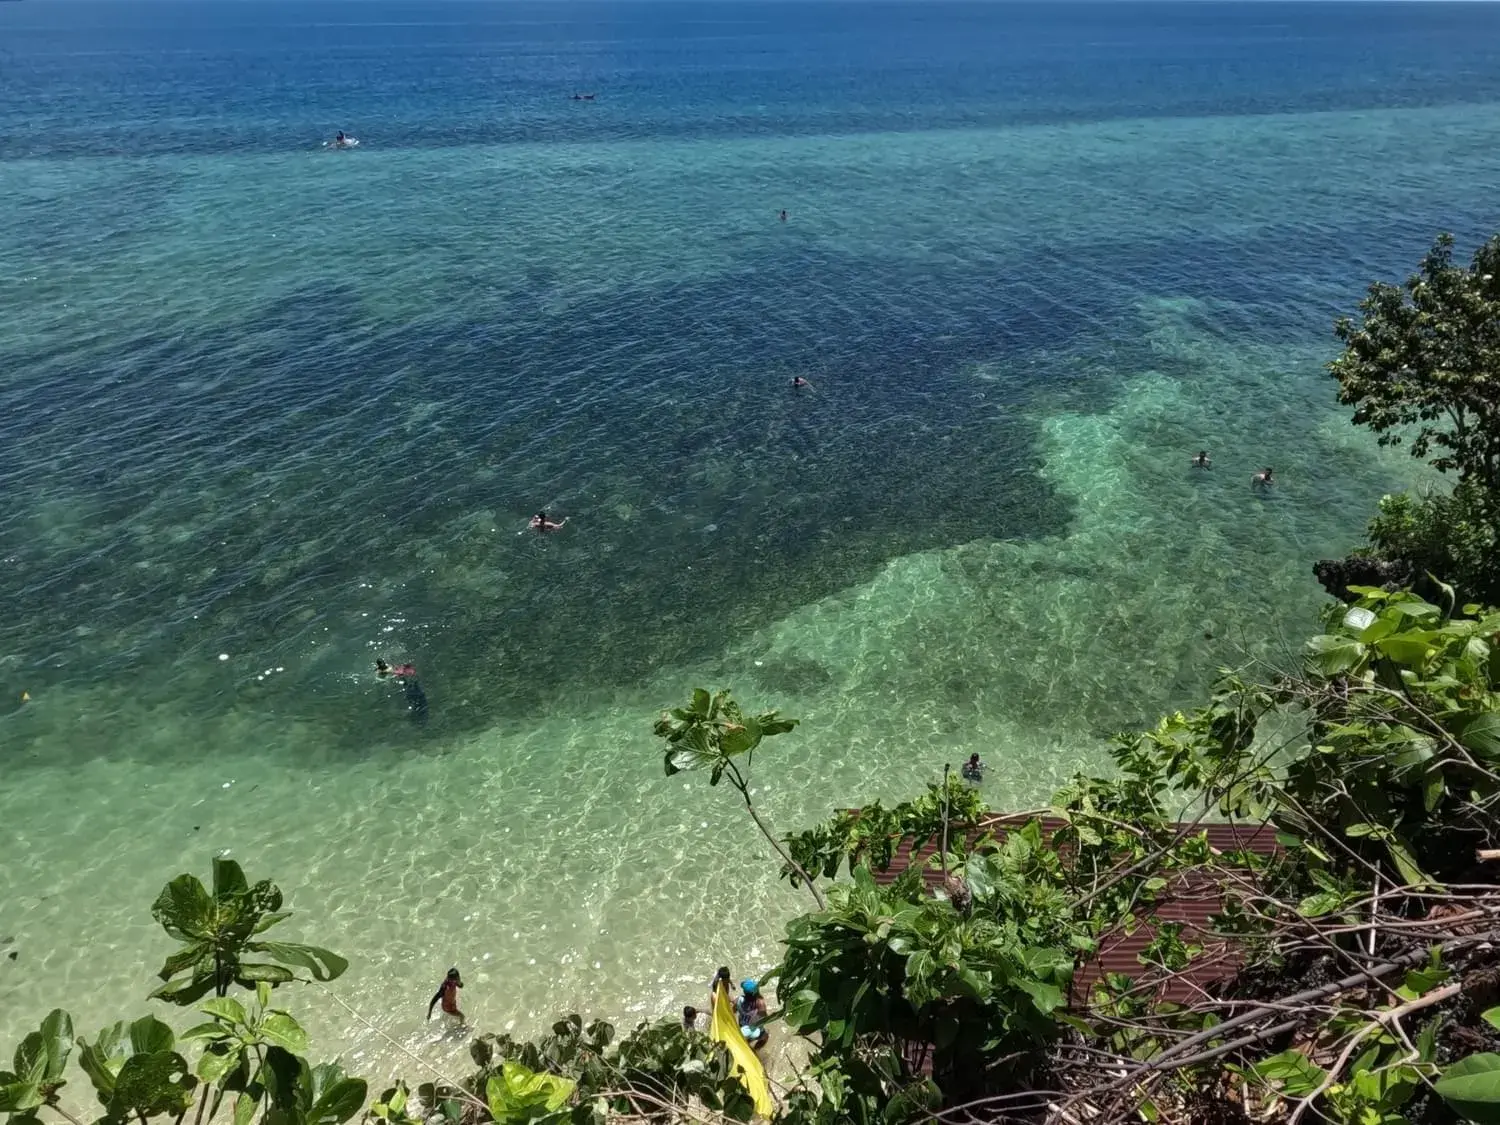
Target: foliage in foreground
point(1422, 368)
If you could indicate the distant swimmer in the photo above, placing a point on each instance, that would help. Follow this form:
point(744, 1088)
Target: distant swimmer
point(973, 769)
point(1262, 479)
point(448, 993)
point(541, 524)
point(340, 139)
point(798, 382)
point(783, 215)
point(400, 671)
point(1203, 460)
point(690, 1018)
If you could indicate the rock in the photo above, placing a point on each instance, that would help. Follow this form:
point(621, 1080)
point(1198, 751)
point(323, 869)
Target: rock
point(1337, 575)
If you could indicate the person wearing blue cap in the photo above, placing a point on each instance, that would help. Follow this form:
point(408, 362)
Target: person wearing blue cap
point(751, 1012)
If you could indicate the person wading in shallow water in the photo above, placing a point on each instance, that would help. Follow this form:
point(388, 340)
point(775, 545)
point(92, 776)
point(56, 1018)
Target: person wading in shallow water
point(448, 993)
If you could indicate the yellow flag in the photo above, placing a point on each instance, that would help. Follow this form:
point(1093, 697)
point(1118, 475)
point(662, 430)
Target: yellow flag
point(724, 1028)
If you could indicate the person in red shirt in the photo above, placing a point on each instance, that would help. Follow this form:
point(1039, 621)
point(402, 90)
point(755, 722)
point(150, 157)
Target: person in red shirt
point(448, 993)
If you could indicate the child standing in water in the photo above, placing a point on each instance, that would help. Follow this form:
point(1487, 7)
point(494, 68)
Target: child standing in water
point(448, 993)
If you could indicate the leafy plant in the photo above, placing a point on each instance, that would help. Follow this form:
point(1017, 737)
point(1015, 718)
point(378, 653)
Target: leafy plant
point(39, 1063)
point(219, 931)
point(713, 733)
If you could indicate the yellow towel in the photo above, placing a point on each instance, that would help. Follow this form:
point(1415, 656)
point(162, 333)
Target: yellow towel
point(725, 1028)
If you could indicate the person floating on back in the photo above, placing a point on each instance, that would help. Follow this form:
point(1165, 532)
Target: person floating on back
point(973, 769)
point(1262, 479)
point(798, 382)
point(541, 524)
point(1202, 461)
point(448, 993)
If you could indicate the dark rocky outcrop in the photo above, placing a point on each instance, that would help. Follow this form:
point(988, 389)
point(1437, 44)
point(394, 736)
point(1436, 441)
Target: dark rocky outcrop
point(1337, 575)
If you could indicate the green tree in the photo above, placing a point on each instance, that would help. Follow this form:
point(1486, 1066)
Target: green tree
point(1423, 363)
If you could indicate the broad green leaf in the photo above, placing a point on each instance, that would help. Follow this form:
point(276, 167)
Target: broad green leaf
point(1047, 998)
point(215, 1064)
point(1411, 649)
point(1333, 655)
point(148, 1036)
point(338, 1103)
point(1472, 1087)
point(1491, 1016)
point(262, 973)
point(324, 964)
point(184, 909)
point(101, 1060)
point(281, 1030)
point(57, 1040)
point(31, 1059)
point(19, 1097)
point(185, 991)
point(1481, 734)
point(244, 1109)
point(226, 1008)
point(148, 1085)
point(229, 878)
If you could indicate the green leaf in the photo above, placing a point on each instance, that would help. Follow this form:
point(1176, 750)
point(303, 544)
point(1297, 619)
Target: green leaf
point(338, 1103)
point(805, 1010)
point(184, 909)
point(244, 1109)
point(148, 1035)
point(1472, 1087)
point(324, 964)
point(216, 1062)
point(261, 973)
point(1434, 788)
point(226, 1008)
point(31, 1060)
point(153, 1084)
point(1491, 1016)
point(57, 1040)
point(101, 1060)
point(1333, 655)
point(1047, 998)
point(279, 1029)
point(1481, 734)
point(184, 991)
point(518, 1094)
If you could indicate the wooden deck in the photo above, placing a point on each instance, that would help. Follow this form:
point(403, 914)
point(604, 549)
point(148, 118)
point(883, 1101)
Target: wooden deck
point(1190, 899)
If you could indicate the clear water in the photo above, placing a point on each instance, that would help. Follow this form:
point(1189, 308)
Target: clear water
point(269, 412)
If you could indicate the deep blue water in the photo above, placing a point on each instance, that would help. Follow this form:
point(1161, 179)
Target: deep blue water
point(142, 78)
point(255, 394)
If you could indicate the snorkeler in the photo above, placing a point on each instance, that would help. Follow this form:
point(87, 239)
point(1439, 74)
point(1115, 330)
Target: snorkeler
point(1202, 461)
point(973, 769)
point(541, 524)
point(448, 993)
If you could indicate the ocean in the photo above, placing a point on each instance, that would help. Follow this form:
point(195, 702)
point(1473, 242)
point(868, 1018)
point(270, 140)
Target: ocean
point(270, 412)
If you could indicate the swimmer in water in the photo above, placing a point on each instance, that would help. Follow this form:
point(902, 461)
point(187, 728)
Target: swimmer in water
point(783, 216)
point(690, 1018)
point(973, 769)
point(448, 993)
point(400, 671)
point(1262, 479)
point(541, 524)
point(798, 382)
point(1202, 461)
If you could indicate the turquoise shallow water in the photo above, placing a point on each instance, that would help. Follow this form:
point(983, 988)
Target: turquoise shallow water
point(271, 412)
